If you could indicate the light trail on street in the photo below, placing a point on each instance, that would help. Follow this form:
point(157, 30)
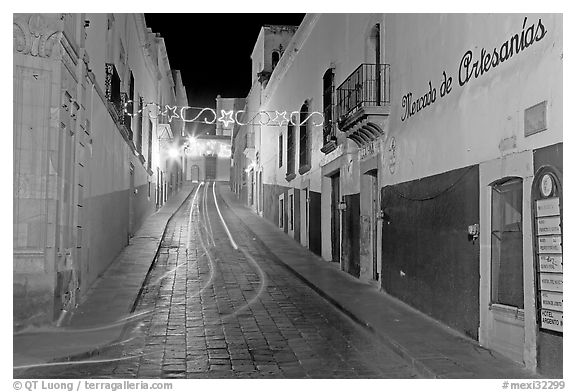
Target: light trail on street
point(217, 305)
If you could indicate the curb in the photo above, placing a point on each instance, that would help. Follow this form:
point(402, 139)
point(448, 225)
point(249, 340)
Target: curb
point(155, 259)
point(98, 350)
point(418, 366)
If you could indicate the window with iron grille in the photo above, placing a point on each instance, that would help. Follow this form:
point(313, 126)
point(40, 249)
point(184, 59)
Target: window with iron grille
point(328, 104)
point(304, 139)
point(112, 84)
point(290, 150)
point(130, 105)
point(275, 58)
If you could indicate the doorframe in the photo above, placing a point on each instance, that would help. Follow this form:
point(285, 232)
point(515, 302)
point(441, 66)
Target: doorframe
point(329, 170)
point(260, 194)
point(513, 165)
point(291, 210)
point(370, 232)
point(305, 216)
point(281, 211)
point(132, 184)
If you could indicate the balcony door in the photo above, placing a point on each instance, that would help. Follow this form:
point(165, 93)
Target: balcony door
point(377, 61)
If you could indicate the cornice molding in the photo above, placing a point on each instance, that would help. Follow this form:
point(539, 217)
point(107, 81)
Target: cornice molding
point(37, 34)
point(143, 41)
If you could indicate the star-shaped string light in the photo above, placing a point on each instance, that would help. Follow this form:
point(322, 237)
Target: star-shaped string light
point(226, 117)
point(283, 114)
point(173, 114)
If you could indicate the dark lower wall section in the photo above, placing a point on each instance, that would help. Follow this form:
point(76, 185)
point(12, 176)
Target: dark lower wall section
point(143, 206)
point(549, 354)
point(428, 260)
point(315, 223)
point(351, 235)
point(549, 345)
point(108, 230)
point(271, 193)
point(33, 299)
point(270, 212)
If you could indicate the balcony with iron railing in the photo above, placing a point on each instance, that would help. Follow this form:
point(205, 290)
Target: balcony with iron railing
point(116, 110)
point(363, 102)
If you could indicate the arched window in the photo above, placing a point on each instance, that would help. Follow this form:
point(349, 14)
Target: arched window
point(375, 44)
point(275, 58)
point(304, 138)
point(328, 103)
point(375, 58)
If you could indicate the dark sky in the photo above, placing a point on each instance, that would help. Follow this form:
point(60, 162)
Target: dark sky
point(212, 51)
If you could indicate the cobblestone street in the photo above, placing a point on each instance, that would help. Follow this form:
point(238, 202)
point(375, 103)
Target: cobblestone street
point(208, 310)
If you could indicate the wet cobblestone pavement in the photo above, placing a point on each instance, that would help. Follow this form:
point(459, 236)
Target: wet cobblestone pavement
point(209, 310)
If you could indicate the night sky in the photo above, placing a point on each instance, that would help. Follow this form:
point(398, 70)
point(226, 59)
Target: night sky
point(212, 51)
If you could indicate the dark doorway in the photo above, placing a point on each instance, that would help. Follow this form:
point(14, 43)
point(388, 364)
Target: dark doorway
point(195, 173)
point(335, 218)
point(210, 167)
point(375, 208)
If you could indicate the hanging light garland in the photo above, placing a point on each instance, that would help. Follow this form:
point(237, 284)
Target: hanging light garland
point(272, 118)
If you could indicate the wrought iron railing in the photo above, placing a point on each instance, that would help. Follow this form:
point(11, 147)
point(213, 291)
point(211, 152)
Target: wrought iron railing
point(368, 85)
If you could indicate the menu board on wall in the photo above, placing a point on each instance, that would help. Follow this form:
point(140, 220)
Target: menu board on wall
point(549, 263)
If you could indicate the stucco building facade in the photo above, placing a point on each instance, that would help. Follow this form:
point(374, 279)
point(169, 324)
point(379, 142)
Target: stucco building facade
point(436, 173)
point(89, 166)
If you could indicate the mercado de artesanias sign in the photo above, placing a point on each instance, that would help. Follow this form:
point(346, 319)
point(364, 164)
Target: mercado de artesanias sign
point(472, 66)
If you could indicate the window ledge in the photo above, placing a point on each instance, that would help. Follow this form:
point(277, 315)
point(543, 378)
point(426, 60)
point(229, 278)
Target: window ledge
point(507, 310)
point(290, 177)
point(328, 147)
point(304, 169)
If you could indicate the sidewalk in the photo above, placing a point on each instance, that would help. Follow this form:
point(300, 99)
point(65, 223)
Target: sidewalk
point(433, 349)
point(98, 320)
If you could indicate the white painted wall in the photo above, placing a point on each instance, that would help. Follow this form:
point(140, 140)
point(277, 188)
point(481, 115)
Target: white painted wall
point(467, 125)
point(334, 40)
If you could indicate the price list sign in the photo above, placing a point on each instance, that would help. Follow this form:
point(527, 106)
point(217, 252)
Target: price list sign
point(548, 227)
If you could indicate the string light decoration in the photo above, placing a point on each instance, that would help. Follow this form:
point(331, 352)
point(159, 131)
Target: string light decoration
point(226, 117)
point(264, 117)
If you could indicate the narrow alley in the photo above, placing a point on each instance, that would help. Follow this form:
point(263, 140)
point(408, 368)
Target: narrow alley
point(299, 196)
point(212, 311)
